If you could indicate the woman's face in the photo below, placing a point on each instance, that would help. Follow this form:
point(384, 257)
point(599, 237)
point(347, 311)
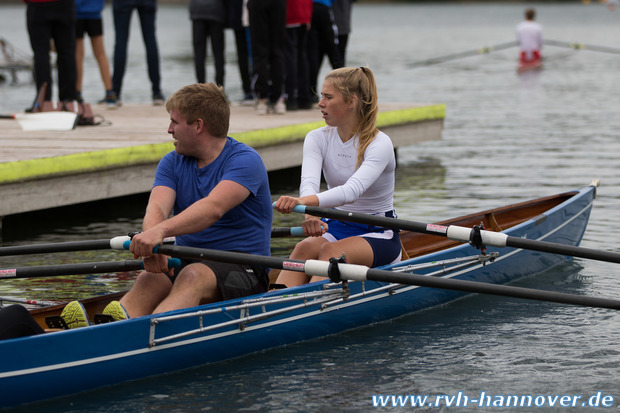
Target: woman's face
point(333, 107)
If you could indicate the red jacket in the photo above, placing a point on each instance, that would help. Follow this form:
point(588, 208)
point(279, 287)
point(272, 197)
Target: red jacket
point(298, 12)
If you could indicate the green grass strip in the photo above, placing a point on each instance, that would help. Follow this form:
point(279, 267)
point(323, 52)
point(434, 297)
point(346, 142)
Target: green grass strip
point(85, 162)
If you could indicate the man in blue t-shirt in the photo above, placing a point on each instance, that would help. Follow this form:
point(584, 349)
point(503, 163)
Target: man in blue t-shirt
point(218, 192)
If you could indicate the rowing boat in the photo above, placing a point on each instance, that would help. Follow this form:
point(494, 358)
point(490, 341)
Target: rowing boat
point(66, 362)
point(528, 66)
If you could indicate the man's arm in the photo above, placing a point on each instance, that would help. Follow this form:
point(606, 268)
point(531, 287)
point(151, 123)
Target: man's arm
point(198, 216)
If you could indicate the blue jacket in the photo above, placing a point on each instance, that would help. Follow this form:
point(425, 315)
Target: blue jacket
point(89, 9)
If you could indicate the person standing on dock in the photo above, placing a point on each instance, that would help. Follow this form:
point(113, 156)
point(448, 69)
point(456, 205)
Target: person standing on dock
point(147, 10)
point(208, 22)
point(89, 21)
point(530, 38)
point(358, 163)
point(267, 33)
point(323, 41)
point(298, 19)
point(237, 10)
point(49, 20)
point(218, 192)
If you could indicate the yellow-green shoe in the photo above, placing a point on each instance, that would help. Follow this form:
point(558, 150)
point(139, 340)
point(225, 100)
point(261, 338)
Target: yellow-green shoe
point(75, 315)
point(116, 311)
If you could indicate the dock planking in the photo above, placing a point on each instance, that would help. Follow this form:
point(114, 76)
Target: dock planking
point(46, 169)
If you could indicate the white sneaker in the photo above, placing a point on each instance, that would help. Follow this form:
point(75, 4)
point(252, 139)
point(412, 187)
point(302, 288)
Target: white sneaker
point(280, 107)
point(261, 107)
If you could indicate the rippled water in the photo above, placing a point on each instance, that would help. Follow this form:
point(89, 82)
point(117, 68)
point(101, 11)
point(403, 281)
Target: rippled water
point(507, 138)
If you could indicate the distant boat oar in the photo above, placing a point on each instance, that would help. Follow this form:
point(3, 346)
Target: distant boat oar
point(581, 46)
point(78, 269)
point(53, 120)
point(462, 234)
point(338, 271)
point(482, 50)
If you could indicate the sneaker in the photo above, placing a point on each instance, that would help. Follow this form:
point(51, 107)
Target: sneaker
point(261, 107)
point(111, 100)
point(158, 99)
point(279, 107)
point(248, 100)
point(116, 310)
point(75, 315)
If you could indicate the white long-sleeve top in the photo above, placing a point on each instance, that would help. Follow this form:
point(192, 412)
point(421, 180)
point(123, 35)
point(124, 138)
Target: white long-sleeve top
point(530, 36)
point(369, 189)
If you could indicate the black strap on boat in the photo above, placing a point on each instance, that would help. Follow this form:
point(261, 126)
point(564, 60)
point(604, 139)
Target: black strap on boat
point(475, 239)
point(333, 271)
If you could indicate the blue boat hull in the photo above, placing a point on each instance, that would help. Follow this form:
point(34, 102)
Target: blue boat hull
point(52, 365)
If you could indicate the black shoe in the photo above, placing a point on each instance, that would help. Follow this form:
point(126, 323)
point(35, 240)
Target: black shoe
point(158, 99)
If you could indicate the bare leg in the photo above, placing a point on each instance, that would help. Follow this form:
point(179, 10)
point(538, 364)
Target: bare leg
point(102, 60)
point(356, 250)
point(307, 249)
point(79, 63)
point(146, 293)
point(196, 284)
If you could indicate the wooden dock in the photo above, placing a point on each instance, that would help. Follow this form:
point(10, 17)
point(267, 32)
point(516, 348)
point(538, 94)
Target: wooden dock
point(45, 169)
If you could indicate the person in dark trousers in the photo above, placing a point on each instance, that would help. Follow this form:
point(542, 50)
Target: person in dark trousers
point(298, 19)
point(342, 15)
point(323, 41)
point(242, 41)
point(208, 21)
point(267, 31)
point(147, 10)
point(53, 20)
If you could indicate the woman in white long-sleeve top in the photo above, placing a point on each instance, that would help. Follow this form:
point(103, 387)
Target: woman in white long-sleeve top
point(358, 163)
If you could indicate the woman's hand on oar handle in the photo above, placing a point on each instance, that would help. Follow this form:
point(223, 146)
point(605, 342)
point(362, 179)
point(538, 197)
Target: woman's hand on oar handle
point(314, 227)
point(286, 203)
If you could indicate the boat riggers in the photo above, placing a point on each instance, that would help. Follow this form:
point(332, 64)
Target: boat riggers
point(462, 234)
point(353, 272)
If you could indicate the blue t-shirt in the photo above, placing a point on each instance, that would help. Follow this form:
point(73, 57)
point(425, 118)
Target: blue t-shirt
point(246, 227)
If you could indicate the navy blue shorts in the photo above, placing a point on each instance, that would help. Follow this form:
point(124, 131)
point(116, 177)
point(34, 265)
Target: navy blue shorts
point(385, 243)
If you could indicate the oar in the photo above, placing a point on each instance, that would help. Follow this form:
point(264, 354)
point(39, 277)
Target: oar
point(89, 245)
point(39, 303)
point(48, 121)
point(482, 50)
point(338, 271)
point(581, 46)
point(462, 234)
point(70, 246)
point(78, 269)
point(112, 243)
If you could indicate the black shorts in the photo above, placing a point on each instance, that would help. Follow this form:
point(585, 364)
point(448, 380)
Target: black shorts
point(233, 280)
point(92, 27)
